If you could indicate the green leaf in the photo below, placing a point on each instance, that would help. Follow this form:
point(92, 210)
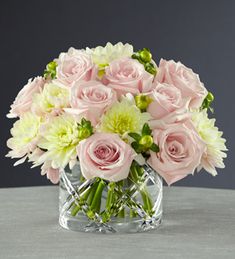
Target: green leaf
point(146, 130)
point(137, 147)
point(83, 121)
point(154, 148)
point(86, 123)
point(135, 136)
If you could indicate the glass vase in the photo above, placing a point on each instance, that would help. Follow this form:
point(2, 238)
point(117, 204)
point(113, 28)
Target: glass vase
point(96, 205)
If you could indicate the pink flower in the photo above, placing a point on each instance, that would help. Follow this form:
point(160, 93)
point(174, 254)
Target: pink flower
point(23, 101)
point(180, 153)
point(166, 99)
point(46, 168)
point(52, 174)
point(127, 75)
point(106, 156)
point(178, 116)
point(73, 66)
point(184, 79)
point(90, 100)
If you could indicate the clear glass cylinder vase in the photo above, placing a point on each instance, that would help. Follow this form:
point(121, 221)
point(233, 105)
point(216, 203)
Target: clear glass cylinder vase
point(96, 205)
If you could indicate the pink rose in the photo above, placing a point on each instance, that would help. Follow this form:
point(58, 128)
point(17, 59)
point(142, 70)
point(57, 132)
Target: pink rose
point(184, 79)
point(180, 152)
point(127, 75)
point(106, 156)
point(23, 101)
point(73, 66)
point(166, 99)
point(90, 100)
point(178, 116)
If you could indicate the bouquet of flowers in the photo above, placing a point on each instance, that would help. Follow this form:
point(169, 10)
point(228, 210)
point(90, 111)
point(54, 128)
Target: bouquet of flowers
point(116, 114)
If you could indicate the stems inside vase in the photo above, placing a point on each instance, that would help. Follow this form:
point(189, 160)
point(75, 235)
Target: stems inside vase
point(114, 205)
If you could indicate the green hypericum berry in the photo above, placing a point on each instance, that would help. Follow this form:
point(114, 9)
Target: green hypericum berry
point(85, 129)
point(84, 133)
point(50, 70)
point(146, 141)
point(51, 66)
point(207, 101)
point(142, 101)
point(210, 97)
point(145, 55)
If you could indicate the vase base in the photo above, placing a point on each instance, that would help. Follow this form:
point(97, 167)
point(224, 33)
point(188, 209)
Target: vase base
point(118, 225)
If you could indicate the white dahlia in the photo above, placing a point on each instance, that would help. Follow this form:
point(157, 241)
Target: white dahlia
point(215, 144)
point(25, 135)
point(123, 117)
point(53, 98)
point(102, 56)
point(60, 136)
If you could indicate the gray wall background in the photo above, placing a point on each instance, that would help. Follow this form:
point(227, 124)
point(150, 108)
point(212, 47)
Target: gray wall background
point(200, 34)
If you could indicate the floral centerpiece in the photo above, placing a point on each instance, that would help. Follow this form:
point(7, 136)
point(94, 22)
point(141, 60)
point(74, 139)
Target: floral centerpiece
point(110, 123)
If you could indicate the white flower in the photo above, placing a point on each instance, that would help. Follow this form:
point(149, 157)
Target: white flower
point(24, 137)
point(215, 144)
point(60, 136)
point(102, 56)
point(53, 98)
point(123, 117)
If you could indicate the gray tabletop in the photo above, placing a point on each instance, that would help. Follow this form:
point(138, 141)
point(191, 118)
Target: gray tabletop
point(198, 223)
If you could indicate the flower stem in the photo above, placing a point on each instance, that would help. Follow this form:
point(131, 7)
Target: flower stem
point(110, 196)
point(96, 202)
point(146, 200)
point(133, 214)
point(92, 193)
point(77, 207)
point(109, 202)
point(136, 173)
point(121, 213)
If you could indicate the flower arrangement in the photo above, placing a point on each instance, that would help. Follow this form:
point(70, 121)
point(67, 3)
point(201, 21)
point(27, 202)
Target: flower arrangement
point(113, 110)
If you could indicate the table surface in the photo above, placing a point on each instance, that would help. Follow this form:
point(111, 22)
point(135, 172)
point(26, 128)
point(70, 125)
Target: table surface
point(198, 223)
